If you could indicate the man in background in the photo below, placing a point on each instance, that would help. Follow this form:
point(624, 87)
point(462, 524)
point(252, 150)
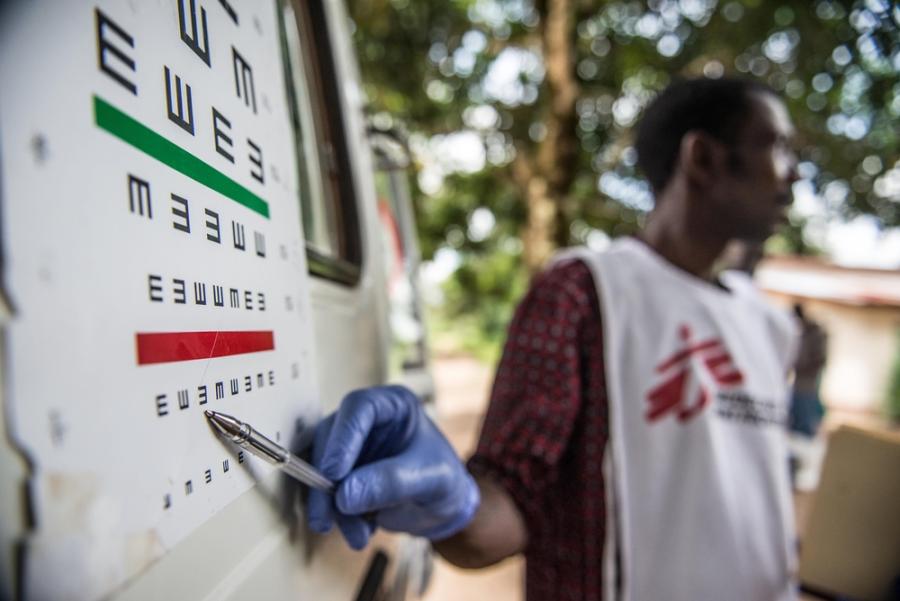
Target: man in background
point(634, 445)
point(806, 409)
point(806, 406)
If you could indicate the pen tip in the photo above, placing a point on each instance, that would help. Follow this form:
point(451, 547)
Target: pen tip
point(225, 424)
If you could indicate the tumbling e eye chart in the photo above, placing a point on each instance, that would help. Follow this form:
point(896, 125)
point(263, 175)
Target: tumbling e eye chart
point(154, 258)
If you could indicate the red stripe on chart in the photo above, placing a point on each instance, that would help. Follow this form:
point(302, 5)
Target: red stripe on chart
point(170, 347)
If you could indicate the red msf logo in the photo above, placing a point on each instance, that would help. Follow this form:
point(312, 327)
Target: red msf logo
point(708, 357)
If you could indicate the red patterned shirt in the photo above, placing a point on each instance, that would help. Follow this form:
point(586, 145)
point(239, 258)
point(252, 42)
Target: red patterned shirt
point(545, 433)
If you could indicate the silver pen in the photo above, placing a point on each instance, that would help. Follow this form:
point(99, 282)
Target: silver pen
point(248, 438)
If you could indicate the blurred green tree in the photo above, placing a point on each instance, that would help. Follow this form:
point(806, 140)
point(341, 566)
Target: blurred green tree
point(551, 89)
point(892, 406)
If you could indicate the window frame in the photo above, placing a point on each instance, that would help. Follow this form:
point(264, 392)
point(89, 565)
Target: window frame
point(333, 155)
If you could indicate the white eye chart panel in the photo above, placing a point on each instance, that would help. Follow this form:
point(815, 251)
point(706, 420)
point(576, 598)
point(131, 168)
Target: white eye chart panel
point(154, 257)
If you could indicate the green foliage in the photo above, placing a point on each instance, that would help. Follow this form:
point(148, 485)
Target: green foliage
point(427, 63)
point(893, 394)
point(490, 265)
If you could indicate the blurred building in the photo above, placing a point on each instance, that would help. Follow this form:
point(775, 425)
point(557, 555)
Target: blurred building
point(860, 311)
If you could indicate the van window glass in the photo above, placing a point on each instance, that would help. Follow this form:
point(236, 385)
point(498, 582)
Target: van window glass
point(327, 199)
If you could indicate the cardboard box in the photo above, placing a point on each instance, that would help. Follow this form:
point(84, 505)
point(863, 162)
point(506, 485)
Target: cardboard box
point(852, 543)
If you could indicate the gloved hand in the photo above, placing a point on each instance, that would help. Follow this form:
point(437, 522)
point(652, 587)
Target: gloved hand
point(391, 462)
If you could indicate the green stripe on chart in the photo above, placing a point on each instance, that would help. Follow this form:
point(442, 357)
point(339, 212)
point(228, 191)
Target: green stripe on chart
point(151, 143)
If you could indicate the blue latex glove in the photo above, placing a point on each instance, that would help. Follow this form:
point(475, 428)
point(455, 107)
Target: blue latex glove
point(394, 468)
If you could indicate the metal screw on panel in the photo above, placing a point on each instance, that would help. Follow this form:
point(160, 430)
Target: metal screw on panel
point(40, 148)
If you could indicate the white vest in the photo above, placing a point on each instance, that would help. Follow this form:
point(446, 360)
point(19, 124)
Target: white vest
point(698, 491)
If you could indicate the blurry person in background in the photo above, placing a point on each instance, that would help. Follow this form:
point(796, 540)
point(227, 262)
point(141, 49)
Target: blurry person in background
point(807, 410)
point(806, 406)
point(634, 447)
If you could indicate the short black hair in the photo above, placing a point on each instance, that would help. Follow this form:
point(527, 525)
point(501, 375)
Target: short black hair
point(715, 106)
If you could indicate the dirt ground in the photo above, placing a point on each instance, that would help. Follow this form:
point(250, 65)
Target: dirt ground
point(463, 386)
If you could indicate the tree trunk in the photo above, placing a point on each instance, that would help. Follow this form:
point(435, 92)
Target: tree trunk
point(546, 178)
point(538, 232)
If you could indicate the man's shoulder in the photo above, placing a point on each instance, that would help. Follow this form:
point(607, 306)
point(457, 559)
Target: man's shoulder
point(569, 269)
point(569, 278)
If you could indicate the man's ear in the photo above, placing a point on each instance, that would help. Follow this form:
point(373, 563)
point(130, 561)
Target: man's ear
point(702, 158)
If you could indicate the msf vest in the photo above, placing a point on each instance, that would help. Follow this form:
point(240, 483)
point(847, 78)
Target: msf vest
point(697, 464)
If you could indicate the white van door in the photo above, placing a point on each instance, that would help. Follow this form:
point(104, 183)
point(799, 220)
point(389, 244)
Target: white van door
point(188, 223)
